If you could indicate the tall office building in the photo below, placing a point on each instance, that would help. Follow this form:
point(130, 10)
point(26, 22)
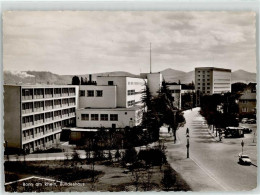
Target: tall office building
point(211, 80)
point(35, 115)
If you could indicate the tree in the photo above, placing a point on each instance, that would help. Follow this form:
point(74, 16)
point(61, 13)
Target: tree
point(75, 80)
point(82, 81)
point(150, 118)
point(117, 155)
point(169, 179)
point(169, 114)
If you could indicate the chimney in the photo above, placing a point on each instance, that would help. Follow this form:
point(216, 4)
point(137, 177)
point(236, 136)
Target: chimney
point(90, 78)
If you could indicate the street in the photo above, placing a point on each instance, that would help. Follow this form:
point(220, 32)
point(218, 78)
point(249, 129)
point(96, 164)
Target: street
point(217, 162)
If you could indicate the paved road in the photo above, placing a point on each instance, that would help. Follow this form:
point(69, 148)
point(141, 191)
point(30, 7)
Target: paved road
point(217, 162)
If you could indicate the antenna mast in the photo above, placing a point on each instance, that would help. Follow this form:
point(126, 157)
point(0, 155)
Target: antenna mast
point(150, 57)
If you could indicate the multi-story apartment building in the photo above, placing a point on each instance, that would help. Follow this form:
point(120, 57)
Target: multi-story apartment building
point(247, 100)
point(211, 80)
point(35, 115)
point(115, 101)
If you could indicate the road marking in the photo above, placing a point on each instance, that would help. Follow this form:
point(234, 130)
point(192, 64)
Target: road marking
point(212, 176)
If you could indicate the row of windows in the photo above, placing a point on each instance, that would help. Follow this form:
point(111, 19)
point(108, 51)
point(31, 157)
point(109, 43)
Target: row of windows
point(49, 92)
point(204, 88)
point(131, 103)
point(47, 116)
point(204, 84)
point(135, 83)
point(48, 103)
point(95, 117)
point(130, 92)
point(204, 80)
point(204, 71)
point(203, 76)
point(175, 91)
point(91, 93)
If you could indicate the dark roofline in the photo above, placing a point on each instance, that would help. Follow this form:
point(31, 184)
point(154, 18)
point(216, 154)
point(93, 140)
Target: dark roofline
point(213, 68)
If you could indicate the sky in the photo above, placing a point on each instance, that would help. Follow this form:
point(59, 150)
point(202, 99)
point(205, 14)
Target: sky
point(82, 42)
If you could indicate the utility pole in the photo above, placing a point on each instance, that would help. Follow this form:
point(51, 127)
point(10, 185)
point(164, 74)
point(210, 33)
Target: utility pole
point(150, 57)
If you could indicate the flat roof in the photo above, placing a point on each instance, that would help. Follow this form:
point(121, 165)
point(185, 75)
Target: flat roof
point(39, 86)
point(137, 107)
point(214, 68)
point(136, 77)
point(83, 129)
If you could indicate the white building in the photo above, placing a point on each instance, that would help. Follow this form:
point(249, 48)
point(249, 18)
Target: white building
point(211, 80)
point(35, 115)
point(116, 101)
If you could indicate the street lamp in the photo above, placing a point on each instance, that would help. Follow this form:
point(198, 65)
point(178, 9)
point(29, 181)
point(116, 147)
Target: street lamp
point(188, 144)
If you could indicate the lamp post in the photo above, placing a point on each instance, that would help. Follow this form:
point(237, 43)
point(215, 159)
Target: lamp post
point(188, 144)
point(242, 144)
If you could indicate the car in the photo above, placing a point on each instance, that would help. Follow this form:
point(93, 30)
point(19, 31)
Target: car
point(247, 130)
point(251, 121)
point(244, 159)
point(244, 120)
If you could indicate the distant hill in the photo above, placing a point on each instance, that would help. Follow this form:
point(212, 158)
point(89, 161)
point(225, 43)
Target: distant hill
point(42, 77)
point(170, 75)
point(243, 76)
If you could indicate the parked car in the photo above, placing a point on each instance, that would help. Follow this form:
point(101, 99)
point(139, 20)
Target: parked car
point(247, 130)
point(244, 120)
point(244, 159)
point(251, 121)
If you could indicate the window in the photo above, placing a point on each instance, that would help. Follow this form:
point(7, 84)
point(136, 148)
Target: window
point(208, 83)
point(207, 79)
point(244, 109)
point(198, 79)
point(84, 117)
point(198, 83)
point(94, 117)
point(130, 92)
point(104, 117)
point(82, 93)
point(203, 84)
point(114, 117)
point(208, 91)
point(90, 93)
point(198, 71)
point(203, 80)
point(110, 82)
point(131, 103)
point(198, 87)
point(208, 87)
point(99, 93)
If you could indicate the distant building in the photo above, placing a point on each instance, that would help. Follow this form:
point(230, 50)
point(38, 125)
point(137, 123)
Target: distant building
point(247, 101)
point(35, 115)
point(211, 80)
point(175, 90)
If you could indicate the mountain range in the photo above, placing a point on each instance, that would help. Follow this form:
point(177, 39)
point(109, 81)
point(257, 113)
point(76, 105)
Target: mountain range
point(170, 75)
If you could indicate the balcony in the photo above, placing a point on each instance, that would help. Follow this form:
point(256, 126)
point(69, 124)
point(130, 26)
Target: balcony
point(30, 97)
point(27, 111)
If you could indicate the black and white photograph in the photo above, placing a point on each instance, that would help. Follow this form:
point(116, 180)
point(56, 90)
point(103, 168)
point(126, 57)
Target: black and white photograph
point(129, 101)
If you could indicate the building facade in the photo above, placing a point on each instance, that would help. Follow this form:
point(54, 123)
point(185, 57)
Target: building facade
point(176, 94)
point(247, 100)
point(115, 101)
point(211, 80)
point(35, 115)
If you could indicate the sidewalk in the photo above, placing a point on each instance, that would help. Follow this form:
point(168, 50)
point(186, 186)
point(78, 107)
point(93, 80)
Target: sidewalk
point(189, 168)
